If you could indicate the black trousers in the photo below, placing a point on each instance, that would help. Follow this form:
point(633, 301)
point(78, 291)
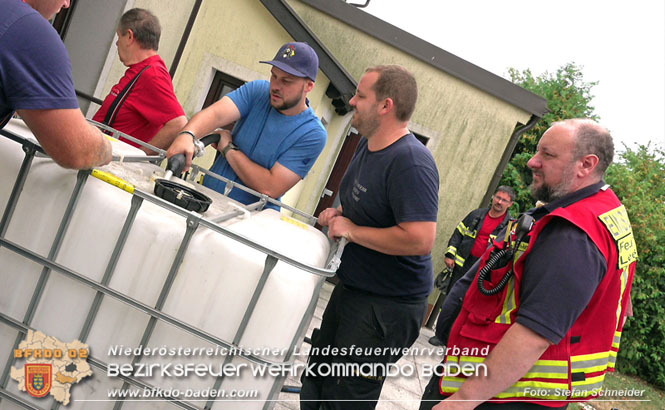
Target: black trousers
point(432, 396)
point(443, 327)
point(360, 323)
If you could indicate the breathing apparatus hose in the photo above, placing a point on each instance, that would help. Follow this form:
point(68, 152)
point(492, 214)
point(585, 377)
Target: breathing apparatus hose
point(486, 270)
point(523, 226)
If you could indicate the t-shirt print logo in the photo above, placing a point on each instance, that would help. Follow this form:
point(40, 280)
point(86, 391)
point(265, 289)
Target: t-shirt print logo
point(357, 189)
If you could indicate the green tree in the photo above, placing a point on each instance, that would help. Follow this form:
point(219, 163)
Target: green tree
point(568, 96)
point(638, 178)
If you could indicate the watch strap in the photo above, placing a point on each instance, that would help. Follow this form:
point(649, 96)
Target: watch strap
point(228, 147)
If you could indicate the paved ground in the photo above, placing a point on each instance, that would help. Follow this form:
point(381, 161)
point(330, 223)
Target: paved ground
point(399, 393)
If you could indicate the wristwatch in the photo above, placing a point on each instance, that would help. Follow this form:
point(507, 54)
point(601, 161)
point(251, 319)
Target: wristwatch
point(229, 146)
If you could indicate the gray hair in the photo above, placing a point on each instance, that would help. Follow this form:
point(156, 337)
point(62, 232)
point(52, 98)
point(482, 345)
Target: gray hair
point(507, 190)
point(592, 138)
point(144, 25)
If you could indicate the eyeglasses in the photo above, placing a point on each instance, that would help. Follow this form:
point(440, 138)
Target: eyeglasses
point(499, 199)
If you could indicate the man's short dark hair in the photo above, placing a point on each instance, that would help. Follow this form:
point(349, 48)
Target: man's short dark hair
point(507, 190)
point(144, 25)
point(396, 83)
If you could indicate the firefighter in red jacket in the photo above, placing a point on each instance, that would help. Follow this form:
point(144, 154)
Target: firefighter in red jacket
point(541, 323)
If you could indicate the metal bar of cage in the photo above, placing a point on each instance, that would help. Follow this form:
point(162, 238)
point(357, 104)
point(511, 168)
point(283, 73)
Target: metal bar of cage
point(155, 314)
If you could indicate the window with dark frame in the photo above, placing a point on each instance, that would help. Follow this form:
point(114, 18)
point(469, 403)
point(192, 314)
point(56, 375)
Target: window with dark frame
point(222, 84)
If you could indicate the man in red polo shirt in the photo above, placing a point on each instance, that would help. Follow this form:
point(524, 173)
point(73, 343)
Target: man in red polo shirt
point(143, 103)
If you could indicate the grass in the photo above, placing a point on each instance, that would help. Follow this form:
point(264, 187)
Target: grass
point(654, 398)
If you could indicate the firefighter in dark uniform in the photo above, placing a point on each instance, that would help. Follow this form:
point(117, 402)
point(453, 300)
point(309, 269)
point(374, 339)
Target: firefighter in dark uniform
point(472, 237)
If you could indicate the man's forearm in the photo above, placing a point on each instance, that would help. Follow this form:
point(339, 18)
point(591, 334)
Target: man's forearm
point(272, 182)
point(510, 360)
point(410, 238)
point(68, 138)
point(219, 114)
point(167, 134)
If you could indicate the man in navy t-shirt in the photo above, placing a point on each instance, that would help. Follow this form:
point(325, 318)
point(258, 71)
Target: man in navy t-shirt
point(388, 213)
point(36, 82)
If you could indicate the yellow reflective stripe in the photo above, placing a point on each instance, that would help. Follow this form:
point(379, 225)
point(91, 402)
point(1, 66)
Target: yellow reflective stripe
point(465, 231)
point(548, 369)
point(554, 369)
point(612, 360)
point(589, 363)
point(459, 260)
point(471, 359)
point(451, 384)
point(536, 390)
point(544, 369)
point(509, 304)
point(520, 251)
point(624, 281)
point(451, 250)
point(617, 340)
point(588, 387)
point(450, 358)
point(590, 356)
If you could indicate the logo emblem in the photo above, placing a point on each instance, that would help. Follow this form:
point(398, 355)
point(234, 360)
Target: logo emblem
point(38, 379)
point(289, 52)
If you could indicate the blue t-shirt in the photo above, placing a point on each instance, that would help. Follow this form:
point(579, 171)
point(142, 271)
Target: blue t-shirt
point(267, 136)
point(35, 71)
point(399, 183)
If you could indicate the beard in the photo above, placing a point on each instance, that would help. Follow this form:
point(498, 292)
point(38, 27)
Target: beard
point(498, 208)
point(548, 193)
point(365, 125)
point(287, 104)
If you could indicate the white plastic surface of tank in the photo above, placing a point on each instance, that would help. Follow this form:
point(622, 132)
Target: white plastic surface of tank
point(212, 289)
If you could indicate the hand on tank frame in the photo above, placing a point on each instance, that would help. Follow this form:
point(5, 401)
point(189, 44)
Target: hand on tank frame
point(327, 214)
point(340, 227)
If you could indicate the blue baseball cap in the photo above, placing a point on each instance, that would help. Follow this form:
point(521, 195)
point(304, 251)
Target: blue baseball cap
point(297, 59)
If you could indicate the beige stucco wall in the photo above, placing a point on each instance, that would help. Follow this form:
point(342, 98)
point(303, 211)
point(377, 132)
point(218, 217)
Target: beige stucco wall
point(468, 128)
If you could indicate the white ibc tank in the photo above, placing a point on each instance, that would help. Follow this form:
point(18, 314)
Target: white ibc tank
point(213, 289)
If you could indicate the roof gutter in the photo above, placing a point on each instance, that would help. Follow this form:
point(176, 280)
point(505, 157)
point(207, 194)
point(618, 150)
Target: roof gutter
point(432, 55)
point(185, 37)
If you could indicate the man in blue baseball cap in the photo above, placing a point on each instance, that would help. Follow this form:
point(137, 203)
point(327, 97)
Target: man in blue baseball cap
point(277, 136)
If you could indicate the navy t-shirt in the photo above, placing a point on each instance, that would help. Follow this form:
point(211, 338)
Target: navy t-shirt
point(561, 274)
point(399, 183)
point(35, 71)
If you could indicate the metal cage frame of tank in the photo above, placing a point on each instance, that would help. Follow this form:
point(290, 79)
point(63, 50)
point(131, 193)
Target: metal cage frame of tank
point(193, 222)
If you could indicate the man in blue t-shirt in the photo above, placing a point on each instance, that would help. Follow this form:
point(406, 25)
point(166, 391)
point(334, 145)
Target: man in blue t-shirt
point(277, 137)
point(36, 82)
point(388, 213)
